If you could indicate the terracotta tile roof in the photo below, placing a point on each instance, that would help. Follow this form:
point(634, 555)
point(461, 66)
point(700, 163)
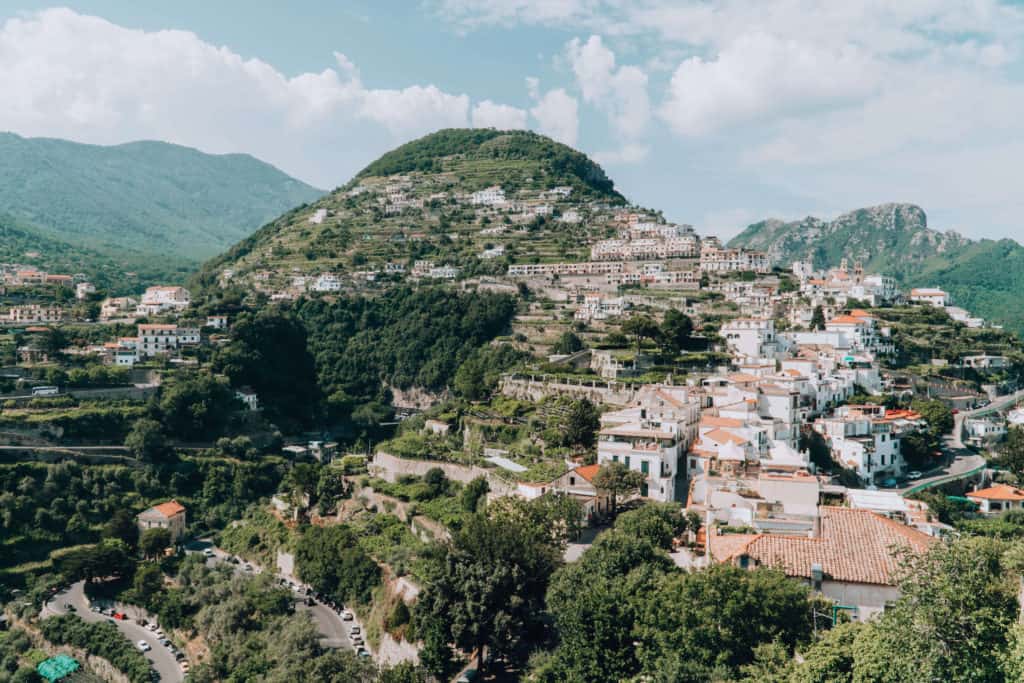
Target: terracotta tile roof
point(743, 378)
point(169, 509)
point(998, 492)
point(722, 436)
point(588, 472)
point(724, 547)
point(855, 546)
point(715, 421)
point(860, 313)
point(845, 320)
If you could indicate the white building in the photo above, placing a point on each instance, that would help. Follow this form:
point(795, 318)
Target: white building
point(750, 339)
point(651, 436)
point(931, 296)
point(34, 313)
point(490, 196)
point(861, 439)
point(714, 259)
point(997, 499)
point(161, 299)
point(318, 216)
point(217, 322)
point(598, 307)
point(156, 339)
point(83, 290)
point(327, 282)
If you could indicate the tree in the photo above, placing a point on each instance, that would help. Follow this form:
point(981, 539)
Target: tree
point(146, 441)
point(473, 493)
point(153, 542)
point(676, 331)
point(197, 407)
point(596, 604)
point(148, 581)
point(818, 318)
point(122, 526)
point(330, 560)
point(658, 523)
point(52, 342)
point(617, 480)
point(106, 559)
point(715, 618)
point(436, 481)
point(567, 344)
point(640, 327)
point(951, 622)
point(1011, 454)
point(582, 423)
point(936, 413)
point(485, 588)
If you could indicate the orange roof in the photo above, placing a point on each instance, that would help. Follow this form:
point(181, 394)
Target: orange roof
point(743, 378)
point(157, 326)
point(715, 421)
point(169, 509)
point(722, 436)
point(588, 472)
point(845, 320)
point(860, 313)
point(998, 492)
point(855, 546)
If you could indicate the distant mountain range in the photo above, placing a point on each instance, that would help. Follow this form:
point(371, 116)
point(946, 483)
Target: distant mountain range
point(984, 276)
point(141, 205)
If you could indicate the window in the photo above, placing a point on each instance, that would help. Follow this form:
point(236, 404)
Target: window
point(627, 462)
point(572, 481)
point(643, 489)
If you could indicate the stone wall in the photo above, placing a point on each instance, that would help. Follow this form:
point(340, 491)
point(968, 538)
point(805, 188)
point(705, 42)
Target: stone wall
point(389, 467)
point(597, 391)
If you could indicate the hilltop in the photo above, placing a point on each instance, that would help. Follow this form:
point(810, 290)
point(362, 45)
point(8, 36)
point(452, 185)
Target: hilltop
point(985, 276)
point(131, 202)
point(416, 203)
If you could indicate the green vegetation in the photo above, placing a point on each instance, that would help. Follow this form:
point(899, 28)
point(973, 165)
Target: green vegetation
point(100, 638)
point(983, 276)
point(559, 164)
point(140, 200)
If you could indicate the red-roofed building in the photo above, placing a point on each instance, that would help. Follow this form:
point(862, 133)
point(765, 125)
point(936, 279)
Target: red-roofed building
point(998, 498)
point(170, 515)
point(850, 557)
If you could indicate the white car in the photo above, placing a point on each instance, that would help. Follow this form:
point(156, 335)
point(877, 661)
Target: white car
point(346, 616)
point(355, 631)
point(143, 645)
point(153, 627)
point(914, 474)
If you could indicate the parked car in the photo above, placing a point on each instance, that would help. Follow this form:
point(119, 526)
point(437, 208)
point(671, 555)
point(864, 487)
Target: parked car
point(913, 474)
point(165, 642)
point(153, 627)
point(95, 608)
point(68, 605)
point(143, 645)
point(184, 667)
point(208, 552)
point(356, 640)
point(355, 631)
point(362, 652)
point(346, 616)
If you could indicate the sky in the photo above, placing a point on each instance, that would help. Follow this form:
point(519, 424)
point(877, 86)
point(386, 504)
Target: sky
point(717, 112)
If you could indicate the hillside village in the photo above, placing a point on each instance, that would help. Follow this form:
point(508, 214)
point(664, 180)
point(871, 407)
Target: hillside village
point(818, 421)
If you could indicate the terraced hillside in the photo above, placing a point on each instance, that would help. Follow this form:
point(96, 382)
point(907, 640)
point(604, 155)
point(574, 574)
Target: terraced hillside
point(416, 203)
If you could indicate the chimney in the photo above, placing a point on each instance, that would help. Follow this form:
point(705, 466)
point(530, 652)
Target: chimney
point(816, 527)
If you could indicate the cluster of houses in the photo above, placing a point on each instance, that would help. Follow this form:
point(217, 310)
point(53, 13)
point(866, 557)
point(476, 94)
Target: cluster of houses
point(163, 300)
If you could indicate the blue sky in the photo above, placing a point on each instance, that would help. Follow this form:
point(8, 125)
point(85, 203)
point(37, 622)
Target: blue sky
point(719, 112)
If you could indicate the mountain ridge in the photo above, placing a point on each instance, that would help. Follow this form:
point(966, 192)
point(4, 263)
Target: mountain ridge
point(984, 276)
point(140, 199)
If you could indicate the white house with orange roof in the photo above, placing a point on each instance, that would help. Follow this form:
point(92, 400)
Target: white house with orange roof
point(851, 556)
point(577, 483)
point(997, 499)
point(170, 515)
point(162, 299)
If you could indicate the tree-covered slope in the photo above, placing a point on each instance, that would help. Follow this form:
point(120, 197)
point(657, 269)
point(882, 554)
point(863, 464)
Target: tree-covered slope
point(412, 203)
point(148, 197)
point(985, 276)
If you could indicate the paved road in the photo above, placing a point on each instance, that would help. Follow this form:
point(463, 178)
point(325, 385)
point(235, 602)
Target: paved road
point(961, 459)
point(160, 657)
point(333, 629)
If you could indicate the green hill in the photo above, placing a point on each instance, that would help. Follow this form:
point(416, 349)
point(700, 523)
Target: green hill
point(141, 199)
point(414, 204)
point(985, 276)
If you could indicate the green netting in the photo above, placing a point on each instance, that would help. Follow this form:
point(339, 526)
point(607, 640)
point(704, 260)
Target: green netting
point(56, 668)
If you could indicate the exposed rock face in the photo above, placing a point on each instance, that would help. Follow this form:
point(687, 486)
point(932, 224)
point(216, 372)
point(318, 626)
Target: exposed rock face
point(878, 236)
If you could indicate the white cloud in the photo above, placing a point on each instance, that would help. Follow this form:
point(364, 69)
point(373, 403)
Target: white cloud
point(487, 114)
point(620, 92)
point(557, 116)
point(762, 76)
point(81, 77)
point(630, 153)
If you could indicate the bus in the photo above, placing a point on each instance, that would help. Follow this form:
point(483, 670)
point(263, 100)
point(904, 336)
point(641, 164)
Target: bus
point(45, 391)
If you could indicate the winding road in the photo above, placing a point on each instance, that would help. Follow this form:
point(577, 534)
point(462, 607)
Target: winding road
point(962, 460)
point(160, 657)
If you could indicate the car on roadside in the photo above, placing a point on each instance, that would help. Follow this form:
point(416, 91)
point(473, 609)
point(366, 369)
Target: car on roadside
point(143, 646)
point(355, 631)
point(152, 626)
point(913, 474)
point(346, 616)
point(165, 642)
point(68, 605)
point(357, 641)
point(362, 652)
point(96, 609)
point(184, 667)
point(180, 656)
point(248, 567)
